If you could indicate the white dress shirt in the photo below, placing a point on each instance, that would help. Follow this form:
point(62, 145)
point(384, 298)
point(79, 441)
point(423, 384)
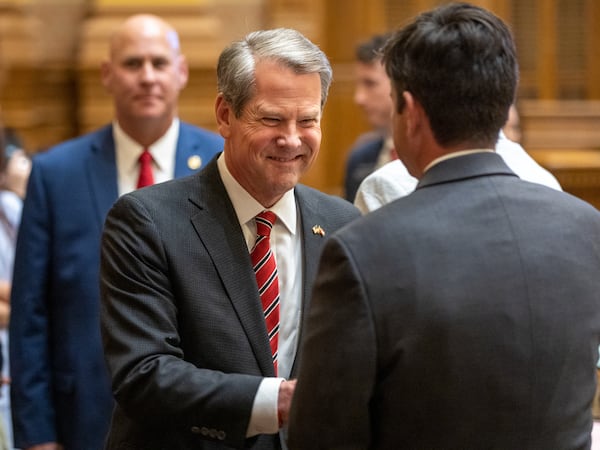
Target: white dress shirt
point(286, 245)
point(127, 152)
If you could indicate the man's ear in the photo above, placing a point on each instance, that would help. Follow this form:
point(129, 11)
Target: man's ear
point(223, 114)
point(183, 71)
point(105, 74)
point(413, 112)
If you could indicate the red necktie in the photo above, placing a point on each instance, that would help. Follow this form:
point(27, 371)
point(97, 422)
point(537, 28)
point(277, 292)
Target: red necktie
point(265, 268)
point(146, 178)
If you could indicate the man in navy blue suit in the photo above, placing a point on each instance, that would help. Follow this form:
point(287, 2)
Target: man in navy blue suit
point(61, 391)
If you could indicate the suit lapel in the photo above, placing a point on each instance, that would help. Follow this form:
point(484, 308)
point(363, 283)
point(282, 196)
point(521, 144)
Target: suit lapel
point(101, 172)
point(312, 244)
point(190, 156)
point(218, 228)
point(186, 148)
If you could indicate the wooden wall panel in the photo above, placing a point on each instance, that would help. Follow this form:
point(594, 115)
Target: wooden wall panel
point(346, 24)
point(40, 71)
point(592, 26)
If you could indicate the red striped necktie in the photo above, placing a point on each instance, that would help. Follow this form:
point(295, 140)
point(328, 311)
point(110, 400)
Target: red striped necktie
point(265, 268)
point(146, 177)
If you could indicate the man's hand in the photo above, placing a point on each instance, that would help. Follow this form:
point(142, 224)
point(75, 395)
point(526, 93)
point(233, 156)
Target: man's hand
point(5, 291)
point(46, 446)
point(4, 314)
point(284, 402)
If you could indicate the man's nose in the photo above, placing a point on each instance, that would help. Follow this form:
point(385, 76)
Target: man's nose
point(290, 137)
point(148, 71)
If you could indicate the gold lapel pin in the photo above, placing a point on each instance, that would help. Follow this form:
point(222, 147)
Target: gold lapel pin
point(194, 162)
point(318, 230)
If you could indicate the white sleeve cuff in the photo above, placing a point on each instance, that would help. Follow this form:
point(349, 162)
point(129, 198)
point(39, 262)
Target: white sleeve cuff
point(263, 419)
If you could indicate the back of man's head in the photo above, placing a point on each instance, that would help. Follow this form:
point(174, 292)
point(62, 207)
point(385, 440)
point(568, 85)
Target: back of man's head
point(459, 62)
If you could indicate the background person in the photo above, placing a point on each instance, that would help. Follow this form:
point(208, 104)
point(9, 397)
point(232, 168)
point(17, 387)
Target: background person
point(372, 94)
point(61, 389)
point(15, 166)
point(393, 181)
point(193, 364)
point(466, 314)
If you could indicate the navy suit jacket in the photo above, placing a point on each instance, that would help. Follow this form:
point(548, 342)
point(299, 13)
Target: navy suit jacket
point(182, 322)
point(465, 315)
point(361, 162)
point(60, 389)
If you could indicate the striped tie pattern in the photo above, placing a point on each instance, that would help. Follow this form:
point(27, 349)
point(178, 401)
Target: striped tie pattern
point(265, 268)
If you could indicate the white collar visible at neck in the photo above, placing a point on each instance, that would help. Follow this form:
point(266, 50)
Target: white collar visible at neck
point(456, 155)
point(162, 150)
point(246, 207)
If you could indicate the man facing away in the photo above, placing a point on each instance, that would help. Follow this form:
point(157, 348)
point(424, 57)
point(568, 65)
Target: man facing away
point(465, 315)
point(61, 390)
point(204, 280)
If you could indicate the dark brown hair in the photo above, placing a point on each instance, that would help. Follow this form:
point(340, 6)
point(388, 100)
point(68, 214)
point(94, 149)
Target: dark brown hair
point(459, 61)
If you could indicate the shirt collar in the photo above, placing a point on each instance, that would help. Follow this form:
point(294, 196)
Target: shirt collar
point(246, 207)
point(456, 155)
point(163, 150)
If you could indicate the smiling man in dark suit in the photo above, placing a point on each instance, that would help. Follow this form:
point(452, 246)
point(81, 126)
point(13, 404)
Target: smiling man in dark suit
point(60, 389)
point(184, 330)
point(465, 315)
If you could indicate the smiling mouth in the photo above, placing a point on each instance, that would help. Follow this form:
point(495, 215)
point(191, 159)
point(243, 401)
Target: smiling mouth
point(285, 160)
point(147, 97)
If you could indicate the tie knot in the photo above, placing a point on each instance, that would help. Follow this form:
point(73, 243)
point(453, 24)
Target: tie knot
point(145, 157)
point(264, 222)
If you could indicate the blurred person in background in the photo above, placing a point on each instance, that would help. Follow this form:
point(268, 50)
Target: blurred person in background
point(393, 181)
point(512, 127)
point(372, 94)
point(61, 396)
point(15, 166)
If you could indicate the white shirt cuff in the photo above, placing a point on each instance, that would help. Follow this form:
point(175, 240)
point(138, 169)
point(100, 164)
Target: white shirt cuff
point(264, 418)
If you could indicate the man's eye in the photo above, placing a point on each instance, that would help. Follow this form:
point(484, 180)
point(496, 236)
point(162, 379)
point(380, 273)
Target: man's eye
point(305, 123)
point(270, 121)
point(132, 64)
point(160, 64)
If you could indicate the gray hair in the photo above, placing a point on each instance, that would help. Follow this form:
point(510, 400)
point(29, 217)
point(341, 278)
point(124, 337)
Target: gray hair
point(235, 69)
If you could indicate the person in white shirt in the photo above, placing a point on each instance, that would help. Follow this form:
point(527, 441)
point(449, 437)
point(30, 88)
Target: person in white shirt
point(393, 181)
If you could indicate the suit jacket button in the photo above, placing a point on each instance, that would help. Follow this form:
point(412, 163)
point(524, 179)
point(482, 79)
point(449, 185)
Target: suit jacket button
point(221, 435)
point(195, 430)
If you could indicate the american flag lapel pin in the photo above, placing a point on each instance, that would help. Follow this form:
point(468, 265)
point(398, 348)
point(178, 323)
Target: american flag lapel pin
point(318, 230)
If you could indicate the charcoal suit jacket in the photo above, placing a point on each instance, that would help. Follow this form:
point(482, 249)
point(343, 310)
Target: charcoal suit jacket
point(182, 323)
point(465, 315)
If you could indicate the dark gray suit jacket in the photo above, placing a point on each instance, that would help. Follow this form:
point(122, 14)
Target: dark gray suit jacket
point(463, 316)
point(182, 325)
